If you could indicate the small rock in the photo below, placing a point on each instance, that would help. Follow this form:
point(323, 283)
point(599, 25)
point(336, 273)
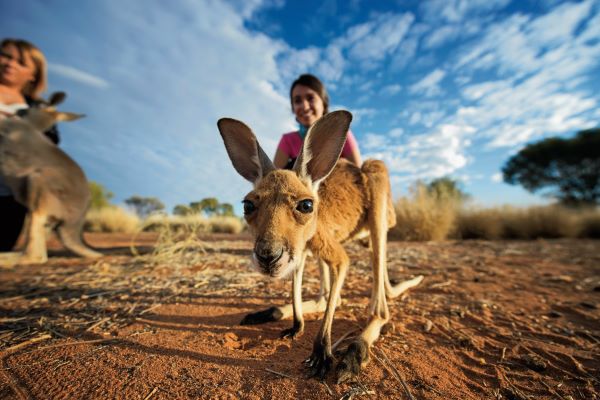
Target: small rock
point(554, 314)
point(428, 326)
point(534, 362)
point(589, 305)
point(561, 278)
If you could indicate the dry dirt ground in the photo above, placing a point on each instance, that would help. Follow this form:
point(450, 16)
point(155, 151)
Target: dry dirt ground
point(491, 320)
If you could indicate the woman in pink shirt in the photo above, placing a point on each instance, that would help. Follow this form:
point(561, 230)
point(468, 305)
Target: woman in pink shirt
point(310, 102)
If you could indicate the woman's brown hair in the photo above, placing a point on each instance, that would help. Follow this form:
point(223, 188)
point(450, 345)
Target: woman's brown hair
point(37, 86)
point(315, 84)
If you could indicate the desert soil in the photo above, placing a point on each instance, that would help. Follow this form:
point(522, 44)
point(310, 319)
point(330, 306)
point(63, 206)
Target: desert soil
point(491, 320)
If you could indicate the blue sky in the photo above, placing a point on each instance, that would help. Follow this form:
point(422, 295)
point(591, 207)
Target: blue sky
point(437, 88)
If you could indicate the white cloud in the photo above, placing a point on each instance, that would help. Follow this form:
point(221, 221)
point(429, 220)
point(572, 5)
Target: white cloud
point(373, 141)
point(396, 132)
point(165, 96)
point(442, 35)
point(391, 90)
point(77, 75)
point(545, 65)
point(359, 114)
point(497, 177)
point(430, 84)
point(367, 44)
point(428, 155)
point(375, 39)
point(459, 10)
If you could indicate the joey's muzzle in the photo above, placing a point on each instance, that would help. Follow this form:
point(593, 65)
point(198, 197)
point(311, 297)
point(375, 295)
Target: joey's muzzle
point(271, 258)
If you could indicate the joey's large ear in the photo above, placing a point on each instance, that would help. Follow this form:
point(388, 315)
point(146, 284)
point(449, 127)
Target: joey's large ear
point(248, 158)
point(322, 146)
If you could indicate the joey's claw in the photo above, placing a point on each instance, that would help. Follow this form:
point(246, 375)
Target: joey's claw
point(261, 317)
point(319, 363)
point(292, 333)
point(349, 367)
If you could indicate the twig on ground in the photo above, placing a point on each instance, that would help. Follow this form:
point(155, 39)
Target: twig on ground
point(16, 347)
point(390, 367)
point(328, 388)
point(14, 384)
point(279, 373)
point(344, 337)
point(552, 391)
point(98, 323)
point(151, 393)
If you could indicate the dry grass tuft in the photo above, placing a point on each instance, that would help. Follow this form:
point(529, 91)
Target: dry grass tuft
point(478, 224)
point(111, 219)
point(548, 222)
point(177, 247)
point(423, 217)
point(590, 224)
point(179, 223)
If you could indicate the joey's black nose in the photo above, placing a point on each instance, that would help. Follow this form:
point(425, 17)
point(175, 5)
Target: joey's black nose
point(267, 255)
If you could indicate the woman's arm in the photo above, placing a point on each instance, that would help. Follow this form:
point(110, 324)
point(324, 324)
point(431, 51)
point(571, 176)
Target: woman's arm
point(281, 159)
point(354, 156)
point(351, 152)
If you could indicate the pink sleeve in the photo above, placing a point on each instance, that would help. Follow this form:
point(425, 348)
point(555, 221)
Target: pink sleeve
point(284, 145)
point(350, 145)
point(290, 144)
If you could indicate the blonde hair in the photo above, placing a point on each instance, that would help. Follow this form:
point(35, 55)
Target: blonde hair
point(37, 86)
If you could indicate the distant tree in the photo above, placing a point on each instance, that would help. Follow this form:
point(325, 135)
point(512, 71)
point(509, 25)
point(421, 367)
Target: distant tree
point(181, 209)
point(566, 169)
point(100, 195)
point(208, 206)
point(195, 207)
point(225, 209)
point(447, 188)
point(144, 206)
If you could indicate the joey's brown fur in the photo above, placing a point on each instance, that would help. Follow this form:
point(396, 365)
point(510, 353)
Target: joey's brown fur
point(44, 179)
point(316, 207)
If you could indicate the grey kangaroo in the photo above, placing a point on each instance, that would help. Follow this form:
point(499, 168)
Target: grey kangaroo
point(44, 179)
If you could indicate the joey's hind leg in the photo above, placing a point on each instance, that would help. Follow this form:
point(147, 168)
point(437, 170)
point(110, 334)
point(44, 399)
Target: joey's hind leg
point(357, 354)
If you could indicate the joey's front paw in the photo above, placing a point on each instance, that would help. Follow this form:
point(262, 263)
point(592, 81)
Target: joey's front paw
point(320, 362)
point(261, 317)
point(293, 333)
point(355, 357)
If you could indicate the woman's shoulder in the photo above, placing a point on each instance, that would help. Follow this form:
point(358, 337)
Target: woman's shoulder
point(290, 134)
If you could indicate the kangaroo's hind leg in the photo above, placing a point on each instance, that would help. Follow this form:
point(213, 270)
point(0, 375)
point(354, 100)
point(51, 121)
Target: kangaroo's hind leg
point(70, 236)
point(357, 354)
point(35, 247)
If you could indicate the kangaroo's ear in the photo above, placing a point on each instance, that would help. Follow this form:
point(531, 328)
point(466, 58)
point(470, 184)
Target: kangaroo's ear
point(322, 146)
point(66, 116)
point(57, 98)
point(43, 118)
point(248, 158)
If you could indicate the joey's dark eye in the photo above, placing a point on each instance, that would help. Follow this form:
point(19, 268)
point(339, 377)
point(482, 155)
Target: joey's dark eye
point(305, 206)
point(249, 207)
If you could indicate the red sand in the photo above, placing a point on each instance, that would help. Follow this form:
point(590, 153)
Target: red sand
point(495, 308)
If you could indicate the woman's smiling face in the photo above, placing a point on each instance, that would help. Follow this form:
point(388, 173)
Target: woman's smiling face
point(307, 105)
point(15, 70)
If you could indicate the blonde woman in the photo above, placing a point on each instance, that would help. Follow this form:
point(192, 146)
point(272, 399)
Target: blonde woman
point(22, 81)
